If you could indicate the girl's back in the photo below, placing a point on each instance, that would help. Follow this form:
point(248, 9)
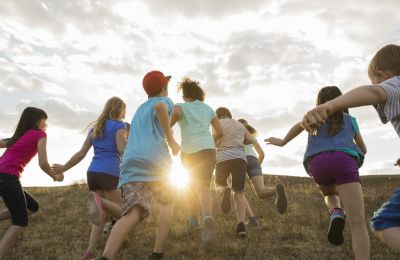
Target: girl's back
point(21, 152)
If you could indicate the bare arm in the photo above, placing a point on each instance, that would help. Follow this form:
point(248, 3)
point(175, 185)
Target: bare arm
point(249, 138)
point(217, 129)
point(260, 152)
point(120, 140)
point(360, 143)
point(3, 144)
point(162, 116)
point(176, 115)
point(76, 158)
point(44, 163)
point(293, 132)
point(361, 96)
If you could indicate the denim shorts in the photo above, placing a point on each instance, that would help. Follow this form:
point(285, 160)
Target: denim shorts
point(388, 215)
point(253, 166)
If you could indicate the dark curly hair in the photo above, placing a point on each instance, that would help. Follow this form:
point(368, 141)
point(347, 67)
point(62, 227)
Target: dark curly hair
point(191, 89)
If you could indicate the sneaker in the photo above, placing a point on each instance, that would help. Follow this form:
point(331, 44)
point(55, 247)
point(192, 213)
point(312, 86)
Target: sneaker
point(253, 223)
point(241, 230)
point(280, 199)
point(336, 227)
point(156, 256)
point(209, 234)
point(87, 255)
point(193, 225)
point(95, 208)
point(226, 201)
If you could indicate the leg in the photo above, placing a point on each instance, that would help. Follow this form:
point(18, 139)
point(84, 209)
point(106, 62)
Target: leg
point(331, 196)
point(352, 197)
point(164, 222)
point(31, 204)
point(262, 191)
point(391, 236)
point(205, 200)
point(14, 199)
point(121, 230)
point(249, 212)
point(112, 203)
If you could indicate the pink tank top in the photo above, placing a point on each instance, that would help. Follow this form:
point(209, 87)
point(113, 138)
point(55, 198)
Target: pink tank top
point(20, 153)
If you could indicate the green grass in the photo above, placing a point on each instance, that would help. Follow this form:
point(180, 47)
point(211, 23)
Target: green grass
point(60, 230)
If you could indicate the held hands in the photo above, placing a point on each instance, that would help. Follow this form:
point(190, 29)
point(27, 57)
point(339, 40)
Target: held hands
point(58, 168)
point(175, 147)
point(274, 141)
point(316, 116)
point(58, 177)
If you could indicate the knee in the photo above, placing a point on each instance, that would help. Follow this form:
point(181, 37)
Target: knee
point(34, 207)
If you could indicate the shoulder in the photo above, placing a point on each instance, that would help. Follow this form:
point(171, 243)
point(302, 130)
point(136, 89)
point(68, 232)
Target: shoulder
point(37, 133)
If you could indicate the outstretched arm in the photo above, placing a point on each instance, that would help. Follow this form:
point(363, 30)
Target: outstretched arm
point(361, 96)
point(44, 163)
point(293, 132)
point(176, 115)
point(162, 116)
point(259, 151)
point(76, 158)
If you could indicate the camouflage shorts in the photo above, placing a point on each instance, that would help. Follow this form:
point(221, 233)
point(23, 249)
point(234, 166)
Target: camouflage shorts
point(141, 193)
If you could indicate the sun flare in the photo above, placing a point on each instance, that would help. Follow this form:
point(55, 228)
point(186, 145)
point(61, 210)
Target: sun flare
point(178, 177)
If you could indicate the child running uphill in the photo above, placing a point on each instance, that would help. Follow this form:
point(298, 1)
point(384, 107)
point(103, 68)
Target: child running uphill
point(145, 167)
point(28, 139)
point(231, 160)
point(332, 159)
point(107, 135)
point(384, 94)
point(254, 172)
point(198, 149)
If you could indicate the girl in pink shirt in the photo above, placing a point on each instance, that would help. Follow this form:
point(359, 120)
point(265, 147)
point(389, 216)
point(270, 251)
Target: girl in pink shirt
point(28, 139)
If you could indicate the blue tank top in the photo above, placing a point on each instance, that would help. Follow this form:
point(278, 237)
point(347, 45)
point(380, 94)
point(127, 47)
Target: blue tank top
point(342, 141)
point(106, 158)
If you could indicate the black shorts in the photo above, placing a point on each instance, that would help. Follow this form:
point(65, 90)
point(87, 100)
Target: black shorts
point(16, 199)
point(101, 181)
point(200, 166)
point(236, 167)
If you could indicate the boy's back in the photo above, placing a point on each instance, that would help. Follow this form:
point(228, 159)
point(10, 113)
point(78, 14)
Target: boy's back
point(146, 157)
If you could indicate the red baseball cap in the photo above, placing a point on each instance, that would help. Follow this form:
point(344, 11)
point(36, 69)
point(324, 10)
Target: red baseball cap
point(154, 81)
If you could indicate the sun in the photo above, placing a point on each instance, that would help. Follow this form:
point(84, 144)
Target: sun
point(178, 176)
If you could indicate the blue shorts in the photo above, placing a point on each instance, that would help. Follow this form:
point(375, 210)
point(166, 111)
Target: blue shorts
point(388, 215)
point(253, 166)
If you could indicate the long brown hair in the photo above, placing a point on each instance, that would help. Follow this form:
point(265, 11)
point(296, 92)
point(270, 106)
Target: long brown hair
point(223, 112)
point(249, 128)
point(112, 111)
point(334, 121)
point(29, 119)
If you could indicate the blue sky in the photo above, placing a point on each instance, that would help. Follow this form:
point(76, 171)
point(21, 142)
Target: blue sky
point(265, 60)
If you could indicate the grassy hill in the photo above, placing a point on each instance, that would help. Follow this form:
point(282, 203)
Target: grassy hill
point(61, 228)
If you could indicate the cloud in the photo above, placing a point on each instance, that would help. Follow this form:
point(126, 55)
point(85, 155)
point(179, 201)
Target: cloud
point(283, 161)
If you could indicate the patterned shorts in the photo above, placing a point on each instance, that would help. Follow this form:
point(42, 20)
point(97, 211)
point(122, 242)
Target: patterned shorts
point(141, 193)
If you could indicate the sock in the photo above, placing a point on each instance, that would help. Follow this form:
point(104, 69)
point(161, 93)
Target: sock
point(337, 211)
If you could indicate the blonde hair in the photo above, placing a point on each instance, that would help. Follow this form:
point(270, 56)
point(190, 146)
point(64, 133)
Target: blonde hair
point(112, 110)
point(386, 59)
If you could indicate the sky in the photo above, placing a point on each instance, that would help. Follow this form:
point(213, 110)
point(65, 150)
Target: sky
point(264, 60)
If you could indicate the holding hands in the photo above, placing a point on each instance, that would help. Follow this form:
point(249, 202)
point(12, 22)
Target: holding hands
point(58, 170)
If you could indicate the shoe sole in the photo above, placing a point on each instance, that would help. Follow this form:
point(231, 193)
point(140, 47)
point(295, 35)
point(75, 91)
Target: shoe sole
point(95, 209)
point(226, 201)
point(335, 232)
point(209, 235)
point(242, 234)
point(281, 201)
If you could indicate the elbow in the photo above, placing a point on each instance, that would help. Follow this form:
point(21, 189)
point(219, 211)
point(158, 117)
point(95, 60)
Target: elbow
point(45, 166)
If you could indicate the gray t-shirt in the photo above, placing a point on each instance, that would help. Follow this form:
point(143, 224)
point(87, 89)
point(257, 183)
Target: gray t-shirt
point(390, 110)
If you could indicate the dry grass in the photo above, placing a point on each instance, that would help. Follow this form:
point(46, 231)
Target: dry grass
point(61, 228)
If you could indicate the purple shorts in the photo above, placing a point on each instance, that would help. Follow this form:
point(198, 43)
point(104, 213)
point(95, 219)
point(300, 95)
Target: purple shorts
point(334, 167)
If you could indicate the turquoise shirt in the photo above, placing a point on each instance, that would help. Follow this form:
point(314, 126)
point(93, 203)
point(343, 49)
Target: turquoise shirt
point(146, 157)
point(195, 126)
point(249, 150)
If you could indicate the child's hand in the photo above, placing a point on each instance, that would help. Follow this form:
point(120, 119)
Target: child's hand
point(58, 168)
point(315, 117)
point(58, 177)
point(175, 147)
point(397, 163)
point(274, 141)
